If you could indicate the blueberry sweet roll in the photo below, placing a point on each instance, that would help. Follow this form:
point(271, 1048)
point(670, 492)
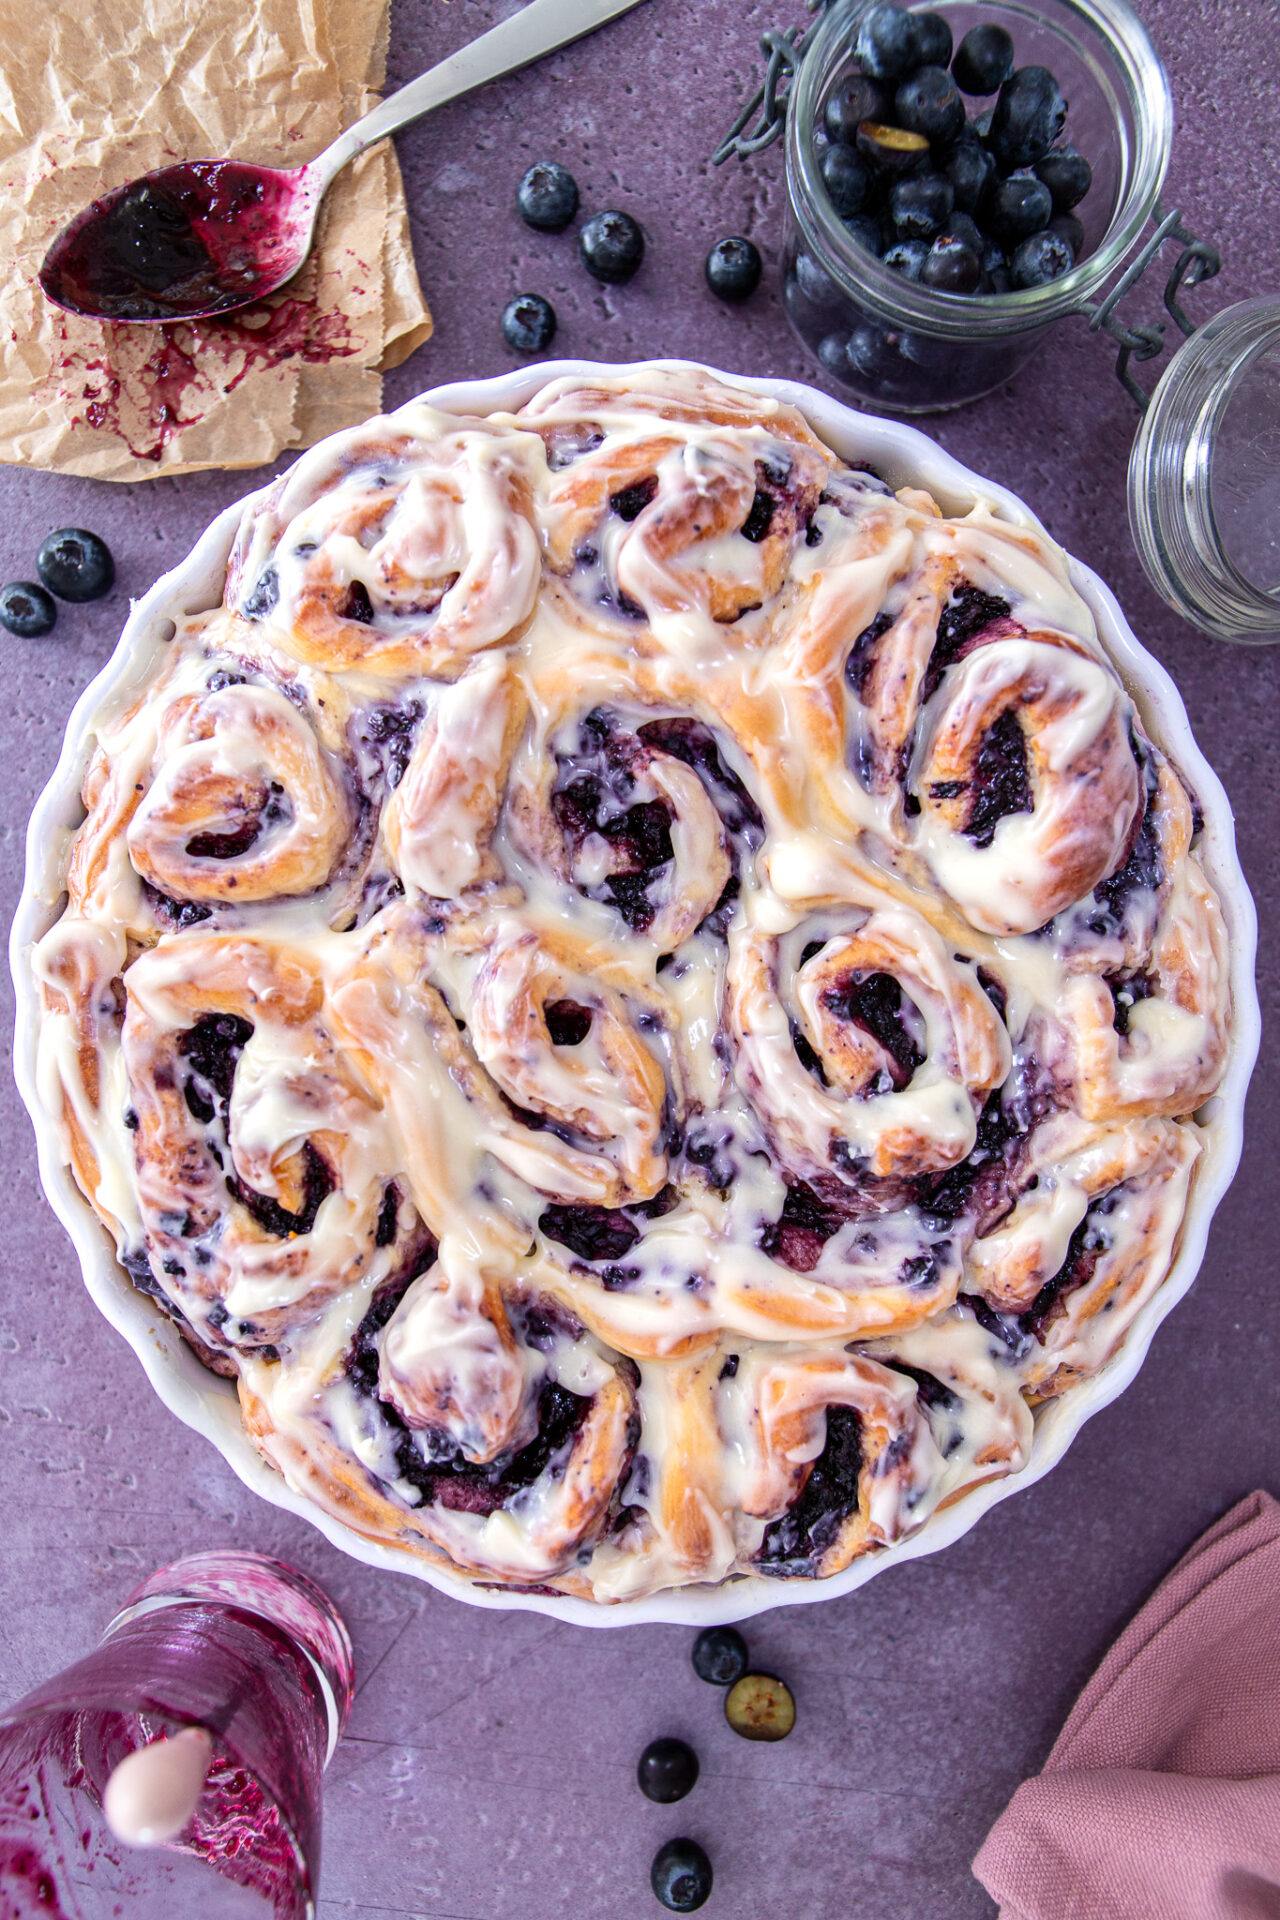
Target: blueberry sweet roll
point(411, 555)
point(494, 1439)
point(262, 1165)
point(866, 1048)
point(833, 1457)
point(1061, 1277)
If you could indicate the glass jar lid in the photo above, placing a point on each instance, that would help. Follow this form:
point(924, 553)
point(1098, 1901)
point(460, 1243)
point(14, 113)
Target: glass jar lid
point(1204, 476)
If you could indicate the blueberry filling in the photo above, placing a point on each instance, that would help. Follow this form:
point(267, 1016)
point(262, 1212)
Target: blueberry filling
point(796, 1238)
point(568, 1023)
point(876, 1004)
point(264, 597)
point(966, 615)
point(796, 1542)
point(593, 1233)
point(758, 521)
point(240, 840)
point(630, 502)
point(1140, 872)
point(1088, 1243)
point(689, 740)
point(930, 1391)
point(356, 604)
point(1126, 992)
point(385, 1231)
point(862, 653)
point(1001, 779)
point(983, 1185)
point(176, 913)
point(382, 739)
point(212, 1050)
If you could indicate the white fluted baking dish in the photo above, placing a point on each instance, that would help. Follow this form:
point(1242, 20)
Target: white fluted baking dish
point(207, 1403)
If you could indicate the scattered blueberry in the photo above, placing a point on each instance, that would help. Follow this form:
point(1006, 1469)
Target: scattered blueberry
point(528, 323)
point(719, 1656)
point(971, 170)
point(26, 609)
point(1017, 207)
point(760, 1707)
point(75, 564)
point(733, 269)
point(847, 179)
point(547, 197)
point(893, 149)
point(929, 103)
point(933, 39)
point(1068, 176)
point(1028, 117)
point(1044, 257)
point(907, 257)
point(921, 205)
point(855, 99)
point(612, 246)
point(984, 59)
point(681, 1876)
point(667, 1770)
point(865, 231)
point(1068, 228)
point(886, 44)
point(952, 266)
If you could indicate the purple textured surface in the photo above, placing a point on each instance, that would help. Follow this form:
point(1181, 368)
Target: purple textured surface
point(489, 1768)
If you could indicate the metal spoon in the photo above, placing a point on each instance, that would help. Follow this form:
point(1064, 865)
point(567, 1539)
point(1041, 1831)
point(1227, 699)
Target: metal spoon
point(208, 236)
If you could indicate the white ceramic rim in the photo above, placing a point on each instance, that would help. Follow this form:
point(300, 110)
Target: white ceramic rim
point(208, 1404)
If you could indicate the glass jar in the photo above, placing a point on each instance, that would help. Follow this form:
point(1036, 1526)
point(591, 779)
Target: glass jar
point(1204, 476)
point(909, 348)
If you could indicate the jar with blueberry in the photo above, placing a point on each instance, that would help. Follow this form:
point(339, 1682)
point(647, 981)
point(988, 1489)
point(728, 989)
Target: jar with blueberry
point(961, 177)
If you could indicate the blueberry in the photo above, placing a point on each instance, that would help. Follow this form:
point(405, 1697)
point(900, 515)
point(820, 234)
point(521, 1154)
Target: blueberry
point(864, 230)
point(27, 610)
point(1028, 117)
point(970, 169)
point(1044, 257)
point(733, 269)
point(871, 356)
point(528, 323)
point(856, 99)
point(963, 226)
point(760, 1707)
point(886, 43)
point(933, 39)
point(547, 197)
point(817, 287)
point(952, 266)
point(907, 257)
point(75, 564)
point(1068, 228)
point(1068, 176)
point(1017, 207)
point(612, 246)
point(847, 179)
point(929, 103)
point(921, 206)
point(984, 59)
point(667, 1770)
point(681, 1876)
point(892, 149)
point(719, 1656)
point(832, 354)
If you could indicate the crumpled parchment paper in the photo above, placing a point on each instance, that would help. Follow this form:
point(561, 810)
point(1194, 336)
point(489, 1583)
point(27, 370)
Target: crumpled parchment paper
point(91, 96)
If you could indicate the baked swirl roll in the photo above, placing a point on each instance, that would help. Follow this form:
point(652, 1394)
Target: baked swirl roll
point(643, 993)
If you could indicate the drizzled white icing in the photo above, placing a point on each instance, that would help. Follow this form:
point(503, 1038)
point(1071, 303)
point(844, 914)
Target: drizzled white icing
point(645, 994)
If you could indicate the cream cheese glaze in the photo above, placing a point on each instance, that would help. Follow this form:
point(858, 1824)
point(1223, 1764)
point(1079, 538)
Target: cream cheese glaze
point(643, 994)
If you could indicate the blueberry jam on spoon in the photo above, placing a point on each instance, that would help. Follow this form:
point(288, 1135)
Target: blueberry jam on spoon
point(199, 238)
point(208, 236)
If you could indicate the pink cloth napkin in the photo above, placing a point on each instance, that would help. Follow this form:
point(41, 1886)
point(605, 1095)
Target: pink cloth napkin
point(1161, 1798)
